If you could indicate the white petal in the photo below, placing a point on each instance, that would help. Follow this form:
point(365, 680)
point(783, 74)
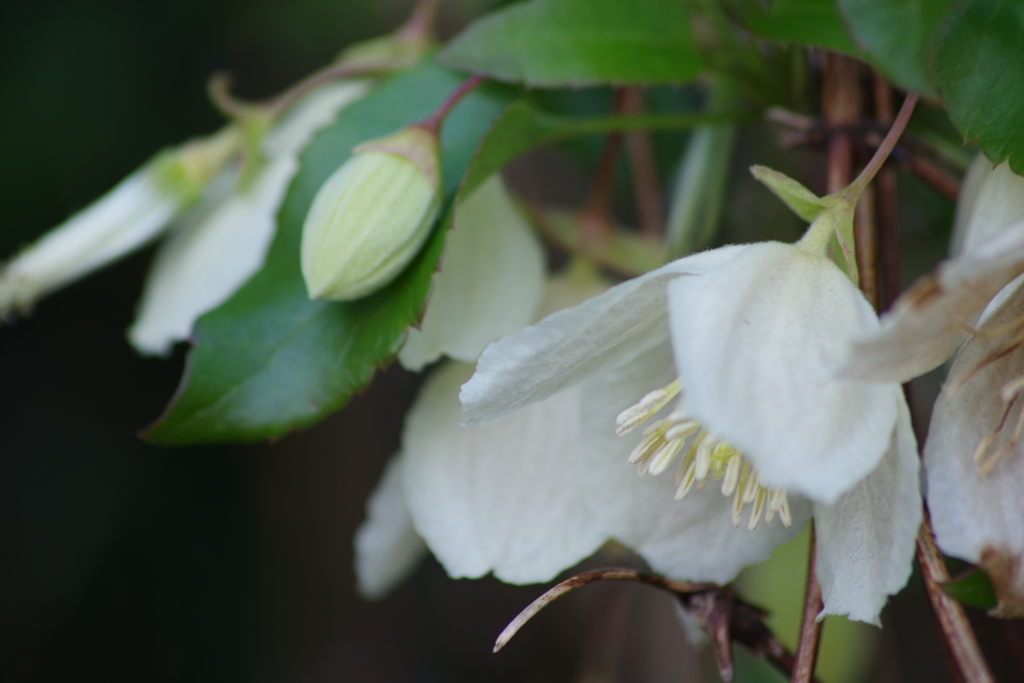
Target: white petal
point(571, 345)
point(756, 342)
point(692, 539)
point(387, 546)
point(926, 325)
point(976, 176)
point(506, 498)
point(122, 220)
point(992, 198)
point(866, 540)
point(975, 516)
point(204, 262)
point(490, 284)
point(314, 112)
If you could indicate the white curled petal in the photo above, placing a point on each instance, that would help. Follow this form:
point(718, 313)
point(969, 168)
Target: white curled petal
point(866, 540)
point(124, 219)
point(506, 498)
point(757, 343)
point(571, 345)
point(977, 517)
point(386, 544)
point(204, 262)
point(927, 323)
point(693, 539)
point(490, 283)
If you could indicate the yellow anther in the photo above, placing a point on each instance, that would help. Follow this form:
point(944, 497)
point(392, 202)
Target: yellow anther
point(755, 514)
point(632, 417)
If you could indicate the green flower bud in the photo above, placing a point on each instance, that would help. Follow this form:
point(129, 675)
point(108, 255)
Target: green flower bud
point(372, 215)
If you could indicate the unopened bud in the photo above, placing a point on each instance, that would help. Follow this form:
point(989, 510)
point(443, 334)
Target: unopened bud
point(372, 215)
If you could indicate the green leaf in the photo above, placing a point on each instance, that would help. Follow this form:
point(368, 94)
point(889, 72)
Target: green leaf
point(270, 360)
point(975, 589)
point(580, 42)
point(980, 69)
point(895, 35)
point(813, 22)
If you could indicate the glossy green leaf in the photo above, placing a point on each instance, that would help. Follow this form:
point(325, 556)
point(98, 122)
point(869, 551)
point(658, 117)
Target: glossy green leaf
point(812, 22)
point(270, 360)
point(580, 42)
point(980, 69)
point(896, 35)
point(975, 590)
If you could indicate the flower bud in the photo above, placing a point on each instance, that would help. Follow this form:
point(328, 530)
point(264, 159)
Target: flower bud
point(139, 208)
point(372, 215)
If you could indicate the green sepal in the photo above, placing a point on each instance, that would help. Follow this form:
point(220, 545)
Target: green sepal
point(793, 194)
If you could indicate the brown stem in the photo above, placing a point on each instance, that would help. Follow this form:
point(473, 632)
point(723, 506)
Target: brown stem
point(645, 176)
point(719, 610)
point(420, 24)
point(934, 176)
point(434, 122)
point(889, 244)
point(580, 580)
point(841, 105)
point(596, 217)
point(956, 630)
point(810, 627)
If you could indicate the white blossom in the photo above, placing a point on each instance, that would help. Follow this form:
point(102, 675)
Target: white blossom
point(758, 332)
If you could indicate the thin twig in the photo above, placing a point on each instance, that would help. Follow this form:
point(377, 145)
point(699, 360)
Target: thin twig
point(810, 627)
point(580, 580)
point(645, 175)
point(956, 630)
point(716, 609)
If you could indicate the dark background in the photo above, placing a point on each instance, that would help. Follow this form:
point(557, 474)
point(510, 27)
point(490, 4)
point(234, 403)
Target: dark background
point(124, 562)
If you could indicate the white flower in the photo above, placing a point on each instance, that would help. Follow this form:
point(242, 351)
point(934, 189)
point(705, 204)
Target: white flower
point(757, 333)
point(490, 283)
point(973, 457)
point(932, 319)
point(138, 209)
point(221, 245)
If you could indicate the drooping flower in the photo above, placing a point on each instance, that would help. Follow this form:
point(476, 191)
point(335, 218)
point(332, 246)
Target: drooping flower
point(757, 333)
point(974, 461)
point(138, 209)
point(224, 241)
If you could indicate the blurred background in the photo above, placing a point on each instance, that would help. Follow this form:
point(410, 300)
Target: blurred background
point(121, 561)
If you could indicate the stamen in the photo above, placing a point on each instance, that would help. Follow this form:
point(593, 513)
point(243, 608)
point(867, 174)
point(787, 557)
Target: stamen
point(737, 510)
point(753, 486)
point(686, 482)
point(632, 417)
point(732, 476)
point(664, 457)
point(755, 514)
point(706, 454)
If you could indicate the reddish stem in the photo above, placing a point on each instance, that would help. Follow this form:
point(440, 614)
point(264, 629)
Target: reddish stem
point(810, 627)
point(434, 122)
